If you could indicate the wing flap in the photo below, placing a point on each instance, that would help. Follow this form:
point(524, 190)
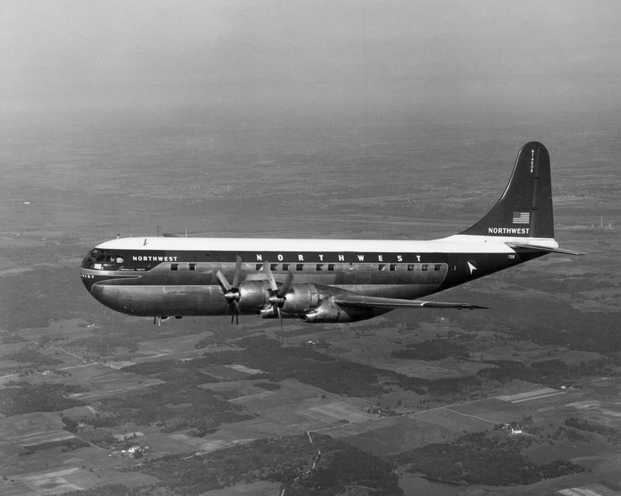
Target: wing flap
point(362, 301)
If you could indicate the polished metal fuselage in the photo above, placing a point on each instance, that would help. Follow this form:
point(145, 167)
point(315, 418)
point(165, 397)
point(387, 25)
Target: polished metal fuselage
point(160, 292)
point(151, 281)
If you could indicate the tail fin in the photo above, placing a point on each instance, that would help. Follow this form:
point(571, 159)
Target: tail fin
point(525, 207)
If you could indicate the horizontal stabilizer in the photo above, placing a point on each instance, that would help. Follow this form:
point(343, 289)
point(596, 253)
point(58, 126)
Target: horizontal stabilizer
point(362, 301)
point(547, 249)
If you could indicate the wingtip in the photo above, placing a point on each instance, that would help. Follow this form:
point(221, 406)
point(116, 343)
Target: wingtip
point(468, 306)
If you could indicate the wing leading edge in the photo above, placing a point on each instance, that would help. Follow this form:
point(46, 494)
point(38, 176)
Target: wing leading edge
point(362, 301)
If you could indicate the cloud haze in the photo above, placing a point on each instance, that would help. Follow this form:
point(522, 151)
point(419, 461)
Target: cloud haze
point(306, 55)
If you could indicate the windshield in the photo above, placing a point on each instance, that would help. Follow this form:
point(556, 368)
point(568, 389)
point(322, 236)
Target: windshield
point(99, 259)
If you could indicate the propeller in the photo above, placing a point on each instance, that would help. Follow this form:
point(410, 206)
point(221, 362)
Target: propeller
point(277, 296)
point(231, 291)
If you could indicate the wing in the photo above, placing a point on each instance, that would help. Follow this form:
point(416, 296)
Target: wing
point(362, 301)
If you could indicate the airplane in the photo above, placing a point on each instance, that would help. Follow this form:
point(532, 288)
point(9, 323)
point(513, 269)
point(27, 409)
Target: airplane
point(324, 280)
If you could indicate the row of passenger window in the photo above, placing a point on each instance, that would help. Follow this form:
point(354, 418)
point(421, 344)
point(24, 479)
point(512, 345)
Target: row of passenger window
point(330, 267)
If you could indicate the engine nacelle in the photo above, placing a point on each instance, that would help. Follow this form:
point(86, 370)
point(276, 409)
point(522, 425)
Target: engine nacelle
point(252, 295)
point(308, 301)
point(327, 312)
point(301, 298)
point(316, 304)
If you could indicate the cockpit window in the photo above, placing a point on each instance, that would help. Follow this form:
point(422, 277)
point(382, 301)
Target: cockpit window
point(98, 259)
point(97, 255)
point(91, 258)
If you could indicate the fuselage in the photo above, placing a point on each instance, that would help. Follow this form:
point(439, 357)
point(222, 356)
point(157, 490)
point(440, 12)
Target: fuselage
point(176, 276)
point(325, 280)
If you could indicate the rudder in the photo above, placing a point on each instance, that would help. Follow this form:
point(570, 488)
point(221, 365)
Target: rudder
point(525, 207)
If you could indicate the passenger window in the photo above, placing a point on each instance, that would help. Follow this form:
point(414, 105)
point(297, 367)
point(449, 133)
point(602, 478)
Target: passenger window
point(285, 267)
point(381, 267)
point(411, 267)
point(330, 266)
point(174, 266)
point(393, 267)
point(192, 266)
point(437, 267)
point(424, 267)
point(259, 266)
point(319, 267)
point(299, 266)
point(273, 266)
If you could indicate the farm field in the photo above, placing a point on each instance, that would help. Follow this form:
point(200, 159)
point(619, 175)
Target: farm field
point(518, 399)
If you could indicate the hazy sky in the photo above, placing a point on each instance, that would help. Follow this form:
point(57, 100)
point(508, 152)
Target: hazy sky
point(309, 53)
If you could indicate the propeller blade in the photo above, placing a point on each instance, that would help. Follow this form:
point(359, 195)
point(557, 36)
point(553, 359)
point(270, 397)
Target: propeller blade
point(279, 316)
point(237, 273)
point(284, 289)
point(235, 306)
point(223, 281)
point(277, 295)
point(231, 291)
point(270, 276)
point(232, 308)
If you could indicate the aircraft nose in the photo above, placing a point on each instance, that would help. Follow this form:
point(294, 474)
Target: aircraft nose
point(97, 290)
point(88, 279)
point(110, 295)
point(104, 294)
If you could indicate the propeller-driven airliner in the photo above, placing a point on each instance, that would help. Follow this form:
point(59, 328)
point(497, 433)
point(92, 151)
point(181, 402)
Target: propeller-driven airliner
point(324, 280)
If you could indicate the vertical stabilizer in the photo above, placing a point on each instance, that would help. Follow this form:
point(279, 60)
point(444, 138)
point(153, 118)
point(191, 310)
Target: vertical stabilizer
point(525, 207)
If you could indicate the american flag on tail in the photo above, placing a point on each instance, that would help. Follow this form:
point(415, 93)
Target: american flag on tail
point(521, 217)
